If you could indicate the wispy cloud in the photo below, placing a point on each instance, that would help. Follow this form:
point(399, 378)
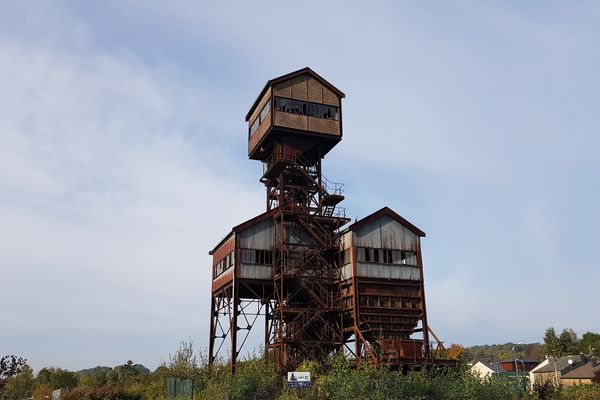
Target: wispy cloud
point(122, 159)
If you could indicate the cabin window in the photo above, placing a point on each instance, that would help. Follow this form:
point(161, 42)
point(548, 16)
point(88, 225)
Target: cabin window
point(384, 256)
point(263, 257)
point(387, 256)
point(247, 256)
point(323, 111)
point(261, 118)
point(253, 256)
point(290, 105)
point(223, 265)
point(384, 301)
point(265, 111)
point(316, 110)
point(254, 127)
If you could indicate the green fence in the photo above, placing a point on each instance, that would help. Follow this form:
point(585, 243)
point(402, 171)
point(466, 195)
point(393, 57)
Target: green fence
point(180, 388)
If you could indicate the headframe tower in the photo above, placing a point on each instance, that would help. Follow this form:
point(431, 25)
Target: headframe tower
point(317, 288)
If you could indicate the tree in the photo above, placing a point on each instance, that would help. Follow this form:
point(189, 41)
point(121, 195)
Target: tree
point(19, 386)
point(42, 392)
point(184, 360)
point(10, 366)
point(590, 340)
point(534, 351)
point(551, 342)
point(567, 342)
point(124, 375)
point(57, 378)
point(456, 351)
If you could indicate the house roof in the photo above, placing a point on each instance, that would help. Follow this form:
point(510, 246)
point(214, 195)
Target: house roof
point(488, 364)
point(562, 364)
point(391, 213)
point(586, 371)
point(244, 225)
point(291, 75)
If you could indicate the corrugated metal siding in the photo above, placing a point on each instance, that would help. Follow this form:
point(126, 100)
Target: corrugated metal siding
point(388, 271)
point(345, 240)
point(226, 248)
point(386, 233)
point(253, 271)
point(346, 271)
point(223, 279)
point(260, 236)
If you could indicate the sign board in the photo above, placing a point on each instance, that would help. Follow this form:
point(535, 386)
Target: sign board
point(298, 379)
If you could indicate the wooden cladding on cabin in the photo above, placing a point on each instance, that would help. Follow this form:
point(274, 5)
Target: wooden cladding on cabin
point(321, 112)
point(306, 88)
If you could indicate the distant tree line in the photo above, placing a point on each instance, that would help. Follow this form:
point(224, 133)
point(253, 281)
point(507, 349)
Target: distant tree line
point(567, 343)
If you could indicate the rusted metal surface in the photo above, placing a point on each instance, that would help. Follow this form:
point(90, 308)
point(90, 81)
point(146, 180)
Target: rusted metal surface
point(319, 290)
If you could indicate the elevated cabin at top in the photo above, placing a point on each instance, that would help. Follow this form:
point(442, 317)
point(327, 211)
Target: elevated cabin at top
point(382, 291)
point(299, 112)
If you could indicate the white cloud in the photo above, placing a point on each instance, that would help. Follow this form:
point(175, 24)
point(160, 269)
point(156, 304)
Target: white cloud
point(108, 205)
point(122, 159)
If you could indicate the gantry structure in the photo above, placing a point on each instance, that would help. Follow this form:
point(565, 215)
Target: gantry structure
point(319, 287)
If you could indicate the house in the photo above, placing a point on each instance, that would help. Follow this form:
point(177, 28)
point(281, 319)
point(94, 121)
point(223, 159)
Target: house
point(518, 365)
point(532, 376)
point(582, 375)
point(556, 368)
point(483, 369)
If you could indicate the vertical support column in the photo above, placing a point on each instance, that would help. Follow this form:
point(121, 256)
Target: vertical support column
point(211, 344)
point(424, 324)
point(267, 332)
point(355, 309)
point(234, 327)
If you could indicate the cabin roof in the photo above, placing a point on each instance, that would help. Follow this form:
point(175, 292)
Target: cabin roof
point(244, 225)
point(291, 75)
point(391, 213)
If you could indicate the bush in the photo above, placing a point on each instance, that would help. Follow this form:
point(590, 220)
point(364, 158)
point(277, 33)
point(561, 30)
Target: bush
point(107, 392)
point(254, 379)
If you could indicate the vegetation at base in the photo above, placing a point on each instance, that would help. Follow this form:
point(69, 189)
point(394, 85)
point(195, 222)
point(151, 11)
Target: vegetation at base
point(257, 379)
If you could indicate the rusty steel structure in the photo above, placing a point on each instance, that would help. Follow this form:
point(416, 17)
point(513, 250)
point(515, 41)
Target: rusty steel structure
point(319, 288)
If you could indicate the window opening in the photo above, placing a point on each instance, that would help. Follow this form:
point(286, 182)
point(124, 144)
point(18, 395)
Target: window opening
point(316, 110)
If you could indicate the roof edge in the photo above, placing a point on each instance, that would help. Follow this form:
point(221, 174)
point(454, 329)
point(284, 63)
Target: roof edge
point(387, 211)
point(252, 221)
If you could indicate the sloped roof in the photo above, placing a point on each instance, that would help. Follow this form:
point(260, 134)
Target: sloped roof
point(392, 214)
point(562, 364)
point(245, 225)
point(488, 364)
point(291, 75)
point(586, 371)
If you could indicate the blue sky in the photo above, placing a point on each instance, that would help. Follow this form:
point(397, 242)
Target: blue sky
point(123, 159)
